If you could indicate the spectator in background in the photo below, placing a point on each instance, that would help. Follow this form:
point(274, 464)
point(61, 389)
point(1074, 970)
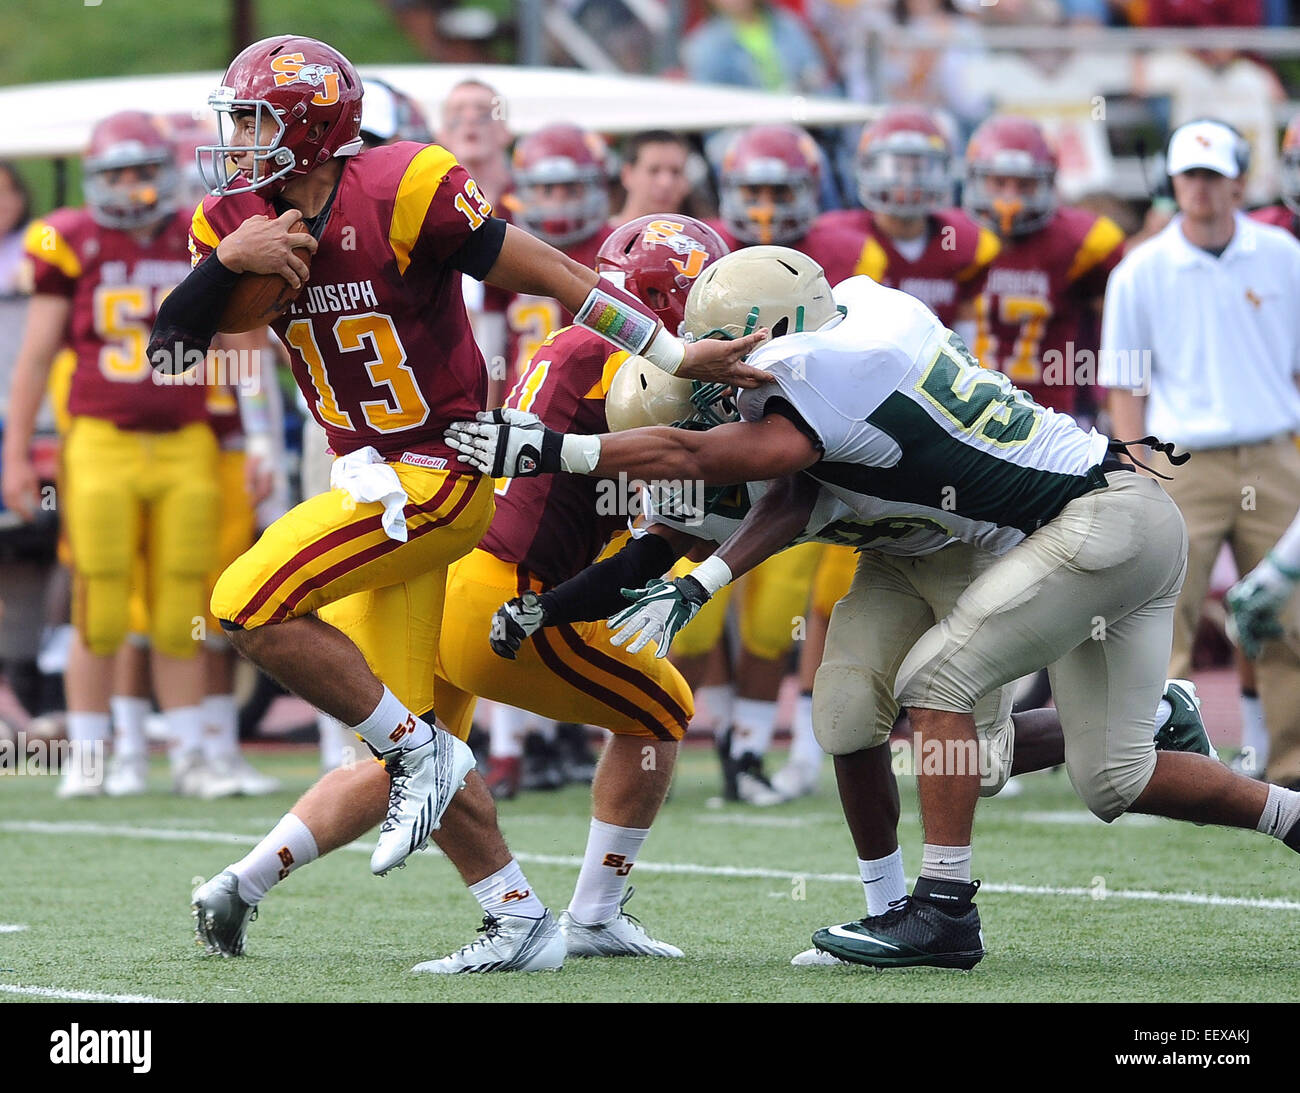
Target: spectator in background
point(1210, 303)
point(749, 43)
point(1193, 13)
point(473, 128)
point(653, 175)
point(939, 76)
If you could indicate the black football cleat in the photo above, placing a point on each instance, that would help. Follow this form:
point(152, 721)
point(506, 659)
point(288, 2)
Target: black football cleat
point(937, 925)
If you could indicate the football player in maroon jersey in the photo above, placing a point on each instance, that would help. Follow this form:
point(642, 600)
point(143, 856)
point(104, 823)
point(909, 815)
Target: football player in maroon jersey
point(1036, 319)
point(348, 587)
point(546, 530)
point(139, 463)
point(561, 196)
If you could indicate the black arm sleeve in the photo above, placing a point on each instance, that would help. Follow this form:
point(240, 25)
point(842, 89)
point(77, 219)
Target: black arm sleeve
point(187, 319)
point(782, 408)
point(594, 593)
point(479, 253)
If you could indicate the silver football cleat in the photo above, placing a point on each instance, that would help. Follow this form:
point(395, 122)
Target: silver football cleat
point(508, 943)
point(221, 918)
point(424, 780)
point(622, 935)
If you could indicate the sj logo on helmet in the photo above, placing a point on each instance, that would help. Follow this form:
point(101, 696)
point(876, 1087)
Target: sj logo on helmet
point(670, 233)
point(292, 68)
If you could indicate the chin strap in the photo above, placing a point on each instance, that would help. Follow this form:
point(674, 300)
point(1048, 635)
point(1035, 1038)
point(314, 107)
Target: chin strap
point(1156, 445)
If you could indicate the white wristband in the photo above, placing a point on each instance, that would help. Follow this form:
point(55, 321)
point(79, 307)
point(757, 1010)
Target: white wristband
point(713, 573)
point(579, 454)
point(665, 351)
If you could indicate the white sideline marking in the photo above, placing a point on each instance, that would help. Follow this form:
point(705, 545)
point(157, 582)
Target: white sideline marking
point(1087, 819)
point(12, 927)
point(80, 996)
point(1203, 899)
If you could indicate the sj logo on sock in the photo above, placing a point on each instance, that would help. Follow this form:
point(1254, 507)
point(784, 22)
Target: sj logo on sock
point(405, 729)
point(619, 863)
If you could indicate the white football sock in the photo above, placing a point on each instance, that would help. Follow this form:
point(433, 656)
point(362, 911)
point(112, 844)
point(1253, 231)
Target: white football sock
point(289, 846)
point(333, 734)
point(804, 748)
point(184, 731)
point(129, 713)
point(946, 862)
point(220, 726)
point(1164, 711)
point(754, 724)
point(392, 727)
point(507, 730)
point(611, 853)
point(883, 881)
point(1254, 732)
point(716, 702)
point(1281, 811)
point(85, 727)
point(506, 892)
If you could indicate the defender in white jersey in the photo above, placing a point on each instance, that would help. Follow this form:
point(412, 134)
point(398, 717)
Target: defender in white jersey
point(1093, 556)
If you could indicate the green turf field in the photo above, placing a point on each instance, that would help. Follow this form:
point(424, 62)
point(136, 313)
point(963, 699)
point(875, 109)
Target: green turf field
point(1144, 910)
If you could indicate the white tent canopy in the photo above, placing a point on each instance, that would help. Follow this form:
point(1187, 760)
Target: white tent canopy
point(55, 119)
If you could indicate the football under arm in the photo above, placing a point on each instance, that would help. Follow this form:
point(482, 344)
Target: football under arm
point(188, 316)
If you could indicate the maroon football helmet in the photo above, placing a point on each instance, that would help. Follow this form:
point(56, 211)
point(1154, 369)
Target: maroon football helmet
point(130, 181)
point(768, 184)
point(904, 164)
point(1010, 177)
point(560, 179)
point(294, 83)
point(659, 257)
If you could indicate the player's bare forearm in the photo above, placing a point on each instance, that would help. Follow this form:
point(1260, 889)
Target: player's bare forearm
point(771, 525)
point(742, 451)
point(527, 265)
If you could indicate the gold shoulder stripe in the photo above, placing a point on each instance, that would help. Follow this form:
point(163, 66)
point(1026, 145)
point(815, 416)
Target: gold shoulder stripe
point(415, 193)
point(613, 363)
point(872, 261)
point(202, 230)
point(42, 240)
point(986, 249)
point(1101, 241)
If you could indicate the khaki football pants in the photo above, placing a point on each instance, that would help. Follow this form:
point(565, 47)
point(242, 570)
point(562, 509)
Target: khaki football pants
point(1090, 595)
point(890, 604)
point(1248, 496)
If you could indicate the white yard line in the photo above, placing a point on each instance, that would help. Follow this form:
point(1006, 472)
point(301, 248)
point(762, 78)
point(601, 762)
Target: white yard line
point(78, 996)
point(126, 831)
point(12, 927)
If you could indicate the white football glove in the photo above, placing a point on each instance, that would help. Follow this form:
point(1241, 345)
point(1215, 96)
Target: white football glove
point(506, 444)
point(1254, 603)
point(658, 613)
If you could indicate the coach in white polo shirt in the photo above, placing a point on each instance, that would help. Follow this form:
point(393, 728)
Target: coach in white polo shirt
point(1214, 301)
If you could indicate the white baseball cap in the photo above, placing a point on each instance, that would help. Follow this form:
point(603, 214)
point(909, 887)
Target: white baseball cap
point(1208, 144)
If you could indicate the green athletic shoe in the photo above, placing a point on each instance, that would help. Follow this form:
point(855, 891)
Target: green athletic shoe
point(1184, 731)
point(221, 918)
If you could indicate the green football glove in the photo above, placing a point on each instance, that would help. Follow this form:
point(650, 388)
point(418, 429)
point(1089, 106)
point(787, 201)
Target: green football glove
point(1254, 603)
point(657, 614)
